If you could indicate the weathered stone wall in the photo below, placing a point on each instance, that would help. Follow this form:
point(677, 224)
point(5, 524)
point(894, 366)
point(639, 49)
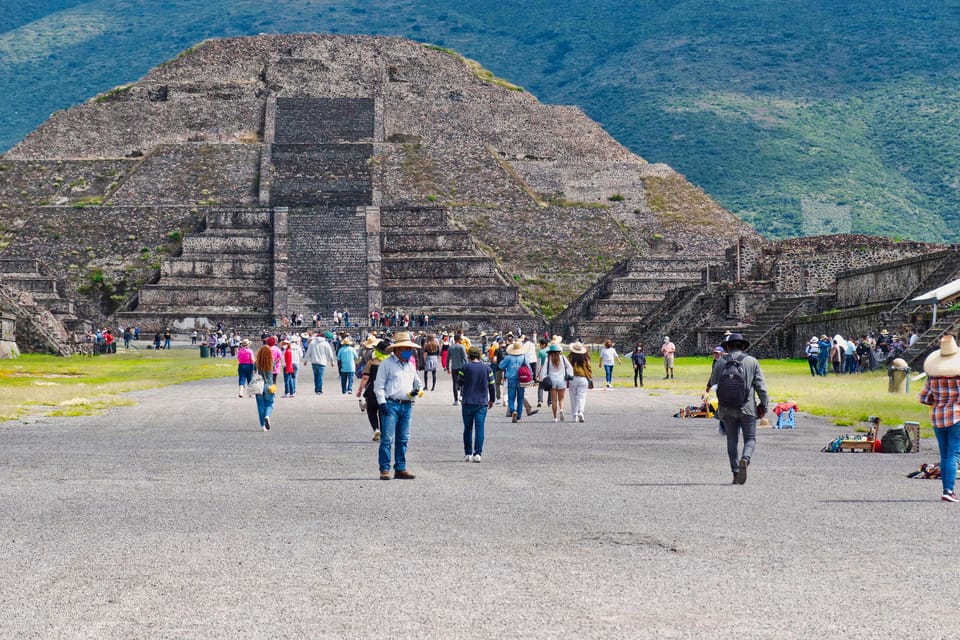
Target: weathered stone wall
point(811, 265)
point(331, 174)
point(886, 282)
point(98, 252)
point(194, 173)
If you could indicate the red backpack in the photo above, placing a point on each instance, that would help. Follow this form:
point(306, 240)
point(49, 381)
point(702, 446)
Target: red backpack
point(524, 375)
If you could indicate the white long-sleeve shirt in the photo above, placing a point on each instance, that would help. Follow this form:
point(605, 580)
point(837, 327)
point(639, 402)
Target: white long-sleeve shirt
point(395, 380)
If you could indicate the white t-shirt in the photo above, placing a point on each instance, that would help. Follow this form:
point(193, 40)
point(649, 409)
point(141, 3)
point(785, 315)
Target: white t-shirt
point(608, 356)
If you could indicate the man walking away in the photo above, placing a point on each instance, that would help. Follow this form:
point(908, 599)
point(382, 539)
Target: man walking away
point(738, 377)
point(456, 358)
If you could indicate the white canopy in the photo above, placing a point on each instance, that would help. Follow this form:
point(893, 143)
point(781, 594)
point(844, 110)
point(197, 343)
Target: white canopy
point(942, 294)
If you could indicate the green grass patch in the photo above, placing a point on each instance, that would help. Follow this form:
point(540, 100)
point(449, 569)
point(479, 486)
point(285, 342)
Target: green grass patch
point(54, 386)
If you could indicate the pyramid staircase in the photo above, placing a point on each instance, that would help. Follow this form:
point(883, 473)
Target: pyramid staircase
point(636, 289)
point(25, 275)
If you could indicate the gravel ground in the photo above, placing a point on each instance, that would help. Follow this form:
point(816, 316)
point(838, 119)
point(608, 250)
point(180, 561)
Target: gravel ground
point(179, 518)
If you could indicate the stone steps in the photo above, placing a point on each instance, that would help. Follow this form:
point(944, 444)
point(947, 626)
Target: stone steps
point(435, 241)
point(208, 244)
point(247, 267)
point(238, 219)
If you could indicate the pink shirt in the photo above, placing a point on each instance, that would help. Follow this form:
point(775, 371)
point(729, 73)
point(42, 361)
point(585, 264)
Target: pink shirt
point(245, 355)
point(277, 359)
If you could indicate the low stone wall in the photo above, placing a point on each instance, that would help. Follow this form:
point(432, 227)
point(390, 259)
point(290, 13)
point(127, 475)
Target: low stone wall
point(887, 282)
point(417, 242)
point(413, 216)
point(429, 269)
point(240, 267)
point(658, 284)
point(850, 323)
point(217, 245)
point(463, 297)
point(247, 297)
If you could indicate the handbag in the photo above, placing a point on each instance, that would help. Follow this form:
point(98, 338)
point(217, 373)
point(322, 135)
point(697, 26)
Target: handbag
point(256, 385)
point(545, 384)
point(589, 383)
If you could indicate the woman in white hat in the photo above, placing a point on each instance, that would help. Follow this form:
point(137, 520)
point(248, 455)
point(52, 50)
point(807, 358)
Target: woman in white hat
point(942, 392)
point(812, 351)
point(244, 365)
point(559, 371)
point(582, 379)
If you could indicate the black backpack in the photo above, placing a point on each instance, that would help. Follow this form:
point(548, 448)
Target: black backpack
point(896, 440)
point(732, 389)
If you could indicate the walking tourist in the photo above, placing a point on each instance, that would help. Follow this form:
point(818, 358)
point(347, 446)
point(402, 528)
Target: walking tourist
point(668, 350)
point(456, 358)
point(347, 359)
point(608, 358)
point(559, 371)
point(639, 360)
point(942, 392)
point(477, 397)
point(737, 410)
point(265, 364)
point(511, 370)
point(395, 388)
point(287, 368)
point(319, 355)
point(365, 387)
point(244, 365)
point(431, 362)
point(582, 379)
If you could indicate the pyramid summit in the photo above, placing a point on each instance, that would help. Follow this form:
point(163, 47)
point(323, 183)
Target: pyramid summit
point(251, 177)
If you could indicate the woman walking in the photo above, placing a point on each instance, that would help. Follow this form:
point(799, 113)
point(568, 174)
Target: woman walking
point(347, 358)
point(582, 379)
point(265, 366)
point(431, 353)
point(287, 368)
point(244, 365)
point(609, 357)
point(377, 355)
point(559, 370)
point(942, 392)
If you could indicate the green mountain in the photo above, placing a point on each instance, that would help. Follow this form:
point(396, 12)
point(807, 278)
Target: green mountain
point(802, 118)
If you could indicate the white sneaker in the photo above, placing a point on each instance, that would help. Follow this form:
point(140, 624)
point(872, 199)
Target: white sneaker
point(561, 415)
point(476, 458)
point(468, 458)
point(555, 420)
point(580, 417)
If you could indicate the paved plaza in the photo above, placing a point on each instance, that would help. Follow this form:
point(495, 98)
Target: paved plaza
point(180, 518)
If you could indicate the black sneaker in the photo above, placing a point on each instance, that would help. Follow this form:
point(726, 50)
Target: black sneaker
point(266, 423)
point(742, 471)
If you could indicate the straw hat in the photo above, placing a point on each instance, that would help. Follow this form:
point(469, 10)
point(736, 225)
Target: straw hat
point(944, 363)
point(402, 339)
point(556, 340)
point(813, 340)
point(515, 349)
point(244, 343)
point(347, 340)
point(577, 347)
point(371, 341)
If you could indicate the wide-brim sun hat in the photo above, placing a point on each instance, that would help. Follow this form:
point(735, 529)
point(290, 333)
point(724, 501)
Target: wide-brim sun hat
point(944, 363)
point(347, 341)
point(371, 341)
point(402, 339)
point(515, 348)
point(735, 340)
point(813, 340)
point(328, 335)
point(577, 347)
point(244, 343)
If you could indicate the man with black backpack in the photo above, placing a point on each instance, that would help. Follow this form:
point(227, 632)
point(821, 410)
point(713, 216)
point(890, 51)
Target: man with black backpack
point(737, 377)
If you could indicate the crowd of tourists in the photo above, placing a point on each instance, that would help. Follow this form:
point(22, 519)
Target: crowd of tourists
point(869, 352)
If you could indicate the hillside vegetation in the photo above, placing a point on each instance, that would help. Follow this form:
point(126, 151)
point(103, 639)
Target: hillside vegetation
point(801, 118)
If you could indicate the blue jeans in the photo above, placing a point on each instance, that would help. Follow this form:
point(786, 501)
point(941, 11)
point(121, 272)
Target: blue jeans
point(293, 378)
point(264, 403)
point(515, 398)
point(245, 374)
point(288, 384)
point(346, 381)
point(608, 368)
point(734, 421)
point(822, 363)
point(318, 370)
point(949, 440)
point(474, 417)
point(394, 425)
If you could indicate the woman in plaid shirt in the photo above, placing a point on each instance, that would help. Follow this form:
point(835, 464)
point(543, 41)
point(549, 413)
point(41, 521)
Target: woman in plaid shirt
point(942, 393)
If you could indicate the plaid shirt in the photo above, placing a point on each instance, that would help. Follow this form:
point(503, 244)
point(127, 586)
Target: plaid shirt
point(943, 394)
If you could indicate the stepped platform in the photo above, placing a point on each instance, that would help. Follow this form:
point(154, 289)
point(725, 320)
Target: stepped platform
point(312, 175)
point(308, 120)
point(217, 267)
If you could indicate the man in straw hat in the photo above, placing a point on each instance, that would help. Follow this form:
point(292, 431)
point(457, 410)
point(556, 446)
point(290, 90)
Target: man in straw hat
point(942, 392)
point(395, 387)
point(347, 358)
point(669, 351)
point(734, 411)
point(511, 367)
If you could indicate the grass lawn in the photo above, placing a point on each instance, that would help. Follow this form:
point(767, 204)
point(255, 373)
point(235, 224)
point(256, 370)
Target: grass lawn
point(51, 385)
point(846, 399)
point(55, 386)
